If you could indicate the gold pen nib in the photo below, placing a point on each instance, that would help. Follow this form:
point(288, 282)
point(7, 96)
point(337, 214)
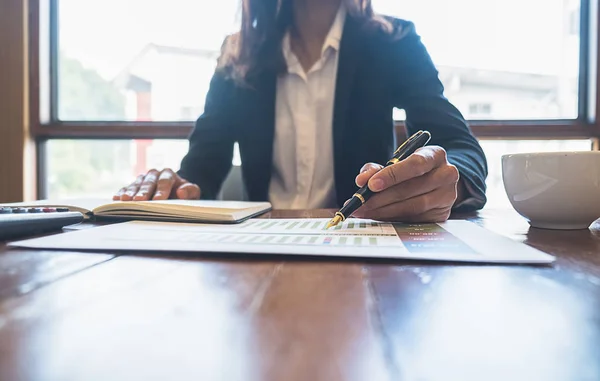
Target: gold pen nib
point(334, 221)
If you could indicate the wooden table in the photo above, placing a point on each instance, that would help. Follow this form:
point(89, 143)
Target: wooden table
point(80, 316)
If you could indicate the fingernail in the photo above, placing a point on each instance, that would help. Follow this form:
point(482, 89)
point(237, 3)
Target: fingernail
point(376, 185)
point(157, 194)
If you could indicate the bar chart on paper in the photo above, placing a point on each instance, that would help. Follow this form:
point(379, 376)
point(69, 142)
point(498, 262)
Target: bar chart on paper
point(299, 232)
point(318, 226)
point(296, 239)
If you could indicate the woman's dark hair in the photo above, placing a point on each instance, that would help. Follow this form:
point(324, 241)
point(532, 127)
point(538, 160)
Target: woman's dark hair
point(257, 45)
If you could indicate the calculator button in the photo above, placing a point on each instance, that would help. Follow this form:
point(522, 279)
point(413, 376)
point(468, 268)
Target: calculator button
point(5, 210)
point(49, 210)
point(34, 210)
point(62, 209)
point(19, 210)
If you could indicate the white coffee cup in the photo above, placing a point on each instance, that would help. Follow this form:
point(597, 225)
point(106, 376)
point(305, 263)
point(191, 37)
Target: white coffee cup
point(554, 190)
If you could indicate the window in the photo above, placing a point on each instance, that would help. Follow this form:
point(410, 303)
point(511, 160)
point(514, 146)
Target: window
point(99, 168)
point(155, 60)
point(574, 22)
point(152, 62)
point(479, 109)
point(504, 51)
point(143, 77)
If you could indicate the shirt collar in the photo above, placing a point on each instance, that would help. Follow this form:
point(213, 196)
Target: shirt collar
point(331, 41)
point(337, 29)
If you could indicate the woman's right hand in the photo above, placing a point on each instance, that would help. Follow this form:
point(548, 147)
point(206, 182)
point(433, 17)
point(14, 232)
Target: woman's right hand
point(156, 185)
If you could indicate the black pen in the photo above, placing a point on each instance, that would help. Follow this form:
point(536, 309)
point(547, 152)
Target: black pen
point(418, 140)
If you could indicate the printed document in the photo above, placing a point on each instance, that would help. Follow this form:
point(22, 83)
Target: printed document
point(449, 241)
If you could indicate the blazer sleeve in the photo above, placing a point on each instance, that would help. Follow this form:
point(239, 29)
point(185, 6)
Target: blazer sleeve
point(208, 160)
point(418, 90)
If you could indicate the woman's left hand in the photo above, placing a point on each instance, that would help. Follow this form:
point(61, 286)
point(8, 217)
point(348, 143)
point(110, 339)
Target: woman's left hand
point(421, 188)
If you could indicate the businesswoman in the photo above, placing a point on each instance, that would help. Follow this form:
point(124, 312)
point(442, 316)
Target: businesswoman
point(307, 89)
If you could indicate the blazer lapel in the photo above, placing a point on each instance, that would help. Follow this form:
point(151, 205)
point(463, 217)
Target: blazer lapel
point(261, 135)
point(347, 65)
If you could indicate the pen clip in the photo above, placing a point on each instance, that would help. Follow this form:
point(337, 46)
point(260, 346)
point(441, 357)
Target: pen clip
point(416, 135)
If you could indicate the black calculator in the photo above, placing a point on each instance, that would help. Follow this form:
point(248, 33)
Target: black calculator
point(16, 222)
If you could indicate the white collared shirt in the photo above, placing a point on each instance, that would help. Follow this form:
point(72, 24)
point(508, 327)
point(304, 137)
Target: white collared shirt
point(302, 173)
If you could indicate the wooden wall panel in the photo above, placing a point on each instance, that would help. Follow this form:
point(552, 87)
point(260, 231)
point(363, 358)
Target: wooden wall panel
point(17, 163)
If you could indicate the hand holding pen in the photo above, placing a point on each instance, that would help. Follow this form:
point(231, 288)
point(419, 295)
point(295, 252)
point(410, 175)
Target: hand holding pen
point(418, 184)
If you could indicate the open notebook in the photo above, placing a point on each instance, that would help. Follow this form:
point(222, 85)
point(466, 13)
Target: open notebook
point(206, 211)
